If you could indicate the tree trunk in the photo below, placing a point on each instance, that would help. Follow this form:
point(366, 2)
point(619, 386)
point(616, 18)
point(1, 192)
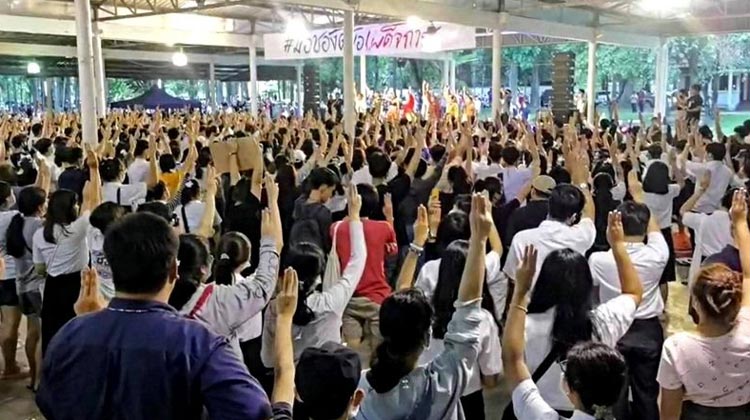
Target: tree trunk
point(535, 98)
point(417, 72)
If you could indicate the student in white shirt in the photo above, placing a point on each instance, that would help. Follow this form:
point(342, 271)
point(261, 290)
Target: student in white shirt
point(190, 212)
point(641, 345)
point(712, 231)
point(138, 171)
point(561, 230)
point(594, 373)
point(659, 194)
point(704, 375)
point(562, 311)
point(60, 251)
point(113, 190)
point(101, 218)
point(720, 176)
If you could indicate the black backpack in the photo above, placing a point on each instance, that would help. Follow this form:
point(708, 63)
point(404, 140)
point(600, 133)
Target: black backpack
point(307, 229)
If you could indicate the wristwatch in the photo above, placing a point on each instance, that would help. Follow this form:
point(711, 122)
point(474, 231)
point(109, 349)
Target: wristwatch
point(583, 186)
point(416, 249)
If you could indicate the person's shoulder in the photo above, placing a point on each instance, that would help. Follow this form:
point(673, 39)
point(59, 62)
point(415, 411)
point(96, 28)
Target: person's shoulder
point(600, 257)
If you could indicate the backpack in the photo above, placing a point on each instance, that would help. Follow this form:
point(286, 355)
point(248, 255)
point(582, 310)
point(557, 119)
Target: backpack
point(306, 229)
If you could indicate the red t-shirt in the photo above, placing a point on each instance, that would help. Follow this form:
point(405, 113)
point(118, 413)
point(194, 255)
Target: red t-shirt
point(380, 240)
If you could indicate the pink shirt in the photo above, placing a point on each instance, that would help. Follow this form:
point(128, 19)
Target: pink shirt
point(714, 372)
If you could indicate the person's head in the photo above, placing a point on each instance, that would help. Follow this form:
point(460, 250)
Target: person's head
point(635, 217)
point(36, 129)
point(308, 260)
point(190, 191)
point(717, 294)
point(716, 151)
point(62, 210)
point(324, 182)
point(402, 342)
point(167, 163)
point(495, 152)
point(111, 170)
point(141, 249)
point(657, 178)
point(105, 214)
point(454, 226)
point(378, 164)
point(159, 209)
point(560, 175)
point(31, 202)
point(510, 155)
point(565, 282)
point(594, 376)
point(44, 146)
point(7, 199)
point(695, 89)
point(232, 252)
point(654, 151)
point(566, 203)
point(141, 146)
point(370, 200)
point(326, 380)
point(542, 186)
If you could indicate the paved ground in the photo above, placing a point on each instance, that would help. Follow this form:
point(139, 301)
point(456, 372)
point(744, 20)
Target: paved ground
point(16, 402)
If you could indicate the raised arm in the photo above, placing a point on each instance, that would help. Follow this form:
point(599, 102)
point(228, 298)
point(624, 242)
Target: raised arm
point(472, 280)
point(92, 194)
point(258, 169)
point(697, 194)
point(742, 238)
point(286, 304)
point(153, 174)
point(636, 191)
point(206, 225)
point(421, 231)
point(630, 283)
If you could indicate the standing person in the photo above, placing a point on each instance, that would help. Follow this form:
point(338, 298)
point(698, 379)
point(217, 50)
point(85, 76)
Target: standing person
point(641, 345)
point(312, 219)
point(659, 194)
point(138, 171)
point(32, 202)
point(720, 176)
point(534, 212)
point(705, 375)
point(10, 313)
point(396, 386)
point(634, 102)
point(60, 250)
point(513, 177)
point(360, 321)
point(594, 373)
point(101, 219)
point(190, 212)
point(138, 358)
point(694, 105)
point(318, 316)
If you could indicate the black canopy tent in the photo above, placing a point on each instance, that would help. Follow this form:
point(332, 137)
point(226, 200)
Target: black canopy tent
point(153, 98)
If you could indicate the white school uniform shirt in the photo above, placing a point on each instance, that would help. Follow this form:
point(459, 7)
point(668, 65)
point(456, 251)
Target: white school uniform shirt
point(514, 179)
point(95, 239)
point(427, 279)
point(363, 176)
point(661, 205)
point(71, 252)
point(611, 320)
point(649, 261)
point(528, 404)
point(130, 194)
point(550, 236)
point(193, 214)
point(721, 178)
point(484, 170)
point(138, 170)
point(712, 233)
point(489, 360)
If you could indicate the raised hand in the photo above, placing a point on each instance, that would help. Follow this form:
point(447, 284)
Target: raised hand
point(286, 298)
point(634, 186)
point(388, 207)
point(421, 227)
point(615, 232)
point(354, 203)
point(480, 218)
point(89, 297)
point(272, 190)
point(738, 211)
point(526, 269)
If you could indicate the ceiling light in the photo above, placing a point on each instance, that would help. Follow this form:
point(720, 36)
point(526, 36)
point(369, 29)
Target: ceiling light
point(179, 59)
point(296, 27)
point(33, 68)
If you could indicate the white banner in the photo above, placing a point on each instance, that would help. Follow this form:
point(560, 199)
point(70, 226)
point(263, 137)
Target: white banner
point(380, 39)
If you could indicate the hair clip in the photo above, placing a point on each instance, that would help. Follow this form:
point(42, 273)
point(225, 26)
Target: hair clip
point(224, 257)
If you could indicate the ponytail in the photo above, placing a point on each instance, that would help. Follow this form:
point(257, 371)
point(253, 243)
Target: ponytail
point(15, 244)
point(224, 270)
point(387, 367)
point(303, 315)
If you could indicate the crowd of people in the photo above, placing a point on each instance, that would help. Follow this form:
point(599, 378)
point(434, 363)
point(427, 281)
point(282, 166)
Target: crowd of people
point(184, 265)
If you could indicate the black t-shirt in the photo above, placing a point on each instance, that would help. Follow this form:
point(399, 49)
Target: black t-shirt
point(528, 217)
point(72, 179)
point(694, 102)
point(501, 214)
point(245, 217)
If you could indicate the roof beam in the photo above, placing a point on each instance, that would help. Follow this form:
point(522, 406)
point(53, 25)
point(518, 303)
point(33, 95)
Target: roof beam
point(31, 50)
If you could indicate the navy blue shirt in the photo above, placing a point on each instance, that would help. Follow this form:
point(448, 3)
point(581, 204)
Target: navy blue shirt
point(142, 360)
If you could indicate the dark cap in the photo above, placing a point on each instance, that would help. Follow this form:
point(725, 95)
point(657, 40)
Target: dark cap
point(326, 379)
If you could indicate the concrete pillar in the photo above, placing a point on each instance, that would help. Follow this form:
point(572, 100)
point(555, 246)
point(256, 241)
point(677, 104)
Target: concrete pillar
point(211, 97)
point(662, 75)
point(497, 60)
point(349, 97)
point(591, 85)
point(253, 84)
point(453, 75)
point(300, 91)
point(48, 92)
point(86, 82)
point(363, 74)
point(100, 82)
point(730, 91)
point(446, 74)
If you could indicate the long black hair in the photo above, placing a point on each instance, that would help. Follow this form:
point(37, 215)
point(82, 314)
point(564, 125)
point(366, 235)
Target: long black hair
point(308, 259)
point(30, 200)
point(401, 340)
point(61, 210)
point(232, 251)
point(190, 191)
point(565, 283)
point(657, 179)
point(597, 373)
point(193, 257)
point(450, 273)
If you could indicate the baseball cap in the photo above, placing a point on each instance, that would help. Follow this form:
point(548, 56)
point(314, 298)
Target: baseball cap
point(543, 183)
point(326, 379)
point(299, 156)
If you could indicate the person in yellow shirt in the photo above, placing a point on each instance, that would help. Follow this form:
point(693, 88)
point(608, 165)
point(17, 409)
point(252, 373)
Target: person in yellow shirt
point(171, 175)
